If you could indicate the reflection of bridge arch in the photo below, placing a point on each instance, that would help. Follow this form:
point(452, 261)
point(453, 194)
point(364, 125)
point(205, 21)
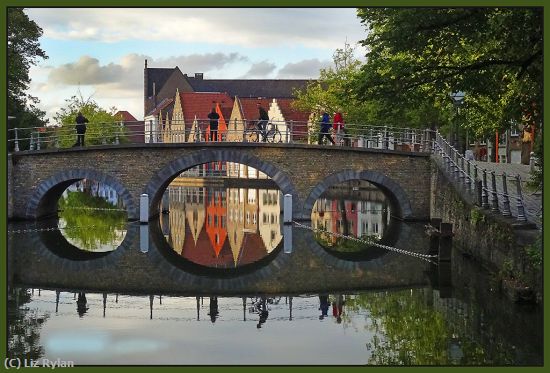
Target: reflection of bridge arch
point(161, 179)
point(44, 200)
point(57, 250)
point(399, 200)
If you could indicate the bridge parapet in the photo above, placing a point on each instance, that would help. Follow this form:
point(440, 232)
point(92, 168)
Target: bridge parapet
point(305, 171)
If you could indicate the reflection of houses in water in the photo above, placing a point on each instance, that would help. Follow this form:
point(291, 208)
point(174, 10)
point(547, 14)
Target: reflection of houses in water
point(195, 211)
point(373, 218)
point(351, 212)
point(216, 226)
point(222, 226)
point(176, 219)
point(95, 189)
point(269, 213)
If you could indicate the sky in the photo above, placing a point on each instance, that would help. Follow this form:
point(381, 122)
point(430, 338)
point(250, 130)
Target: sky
point(100, 52)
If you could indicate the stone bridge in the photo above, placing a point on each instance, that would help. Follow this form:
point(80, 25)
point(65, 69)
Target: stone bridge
point(36, 179)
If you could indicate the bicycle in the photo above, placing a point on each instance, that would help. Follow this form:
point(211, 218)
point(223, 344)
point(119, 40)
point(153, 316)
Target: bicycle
point(272, 134)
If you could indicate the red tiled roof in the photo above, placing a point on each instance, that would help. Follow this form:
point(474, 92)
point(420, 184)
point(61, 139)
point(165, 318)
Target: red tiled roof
point(250, 109)
point(289, 112)
point(199, 104)
point(125, 116)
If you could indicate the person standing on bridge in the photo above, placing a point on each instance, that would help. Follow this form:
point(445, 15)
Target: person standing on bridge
point(214, 117)
point(80, 129)
point(325, 129)
point(262, 121)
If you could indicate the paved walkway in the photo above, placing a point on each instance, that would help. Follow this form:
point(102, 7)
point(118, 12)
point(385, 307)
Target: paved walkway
point(532, 198)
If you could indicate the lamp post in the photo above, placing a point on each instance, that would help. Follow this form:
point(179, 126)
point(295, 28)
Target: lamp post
point(458, 99)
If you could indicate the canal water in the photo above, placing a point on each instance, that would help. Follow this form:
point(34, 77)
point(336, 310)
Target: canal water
point(218, 279)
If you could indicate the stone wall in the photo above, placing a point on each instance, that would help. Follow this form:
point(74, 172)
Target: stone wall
point(491, 239)
point(303, 171)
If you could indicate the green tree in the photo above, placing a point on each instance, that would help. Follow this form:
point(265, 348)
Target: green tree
point(103, 125)
point(420, 55)
point(23, 52)
point(334, 90)
point(337, 90)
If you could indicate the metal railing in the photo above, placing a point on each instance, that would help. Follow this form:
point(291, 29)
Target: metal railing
point(354, 135)
point(485, 188)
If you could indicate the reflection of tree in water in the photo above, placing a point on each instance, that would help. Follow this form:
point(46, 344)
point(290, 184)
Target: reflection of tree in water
point(407, 331)
point(23, 326)
point(102, 227)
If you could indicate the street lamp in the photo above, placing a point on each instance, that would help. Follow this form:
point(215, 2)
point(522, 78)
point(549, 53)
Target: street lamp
point(458, 99)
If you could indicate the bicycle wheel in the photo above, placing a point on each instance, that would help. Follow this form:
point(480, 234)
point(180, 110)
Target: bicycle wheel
point(277, 136)
point(251, 136)
point(269, 136)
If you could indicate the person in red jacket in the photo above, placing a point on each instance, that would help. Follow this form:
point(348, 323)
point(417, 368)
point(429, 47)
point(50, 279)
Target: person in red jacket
point(338, 127)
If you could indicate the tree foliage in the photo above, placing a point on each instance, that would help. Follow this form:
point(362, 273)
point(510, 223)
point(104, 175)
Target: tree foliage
point(101, 128)
point(23, 51)
point(420, 55)
point(334, 90)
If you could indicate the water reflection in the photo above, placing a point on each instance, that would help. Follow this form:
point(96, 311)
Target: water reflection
point(92, 217)
point(218, 226)
point(404, 327)
point(354, 209)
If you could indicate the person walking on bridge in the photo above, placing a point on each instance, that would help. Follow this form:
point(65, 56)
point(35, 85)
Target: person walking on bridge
point(338, 127)
point(325, 129)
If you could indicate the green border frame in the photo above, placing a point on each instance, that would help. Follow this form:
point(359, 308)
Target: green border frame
point(242, 3)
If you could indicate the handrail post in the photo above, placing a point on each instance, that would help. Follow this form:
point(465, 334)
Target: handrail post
point(31, 142)
point(485, 201)
point(291, 134)
point(494, 199)
point(521, 208)
point(462, 174)
point(16, 144)
point(150, 131)
point(468, 176)
point(506, 200)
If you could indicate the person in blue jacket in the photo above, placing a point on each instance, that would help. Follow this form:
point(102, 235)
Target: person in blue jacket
point(325, 129)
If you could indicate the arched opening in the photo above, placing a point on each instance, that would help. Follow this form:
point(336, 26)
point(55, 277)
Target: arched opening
point(86, 210)
point(221, 215)
point(353, 219)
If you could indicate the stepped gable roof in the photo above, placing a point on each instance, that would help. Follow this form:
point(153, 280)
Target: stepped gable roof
point(252, 88)
point(285, 104)
point(199, 104)
point(249, 106)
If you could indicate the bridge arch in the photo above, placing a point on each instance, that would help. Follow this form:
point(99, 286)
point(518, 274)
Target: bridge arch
point(43, 201)
point(397, 196)
point(161, 179)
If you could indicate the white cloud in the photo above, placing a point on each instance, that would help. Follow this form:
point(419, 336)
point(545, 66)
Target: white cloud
point(303, 69)
point(248, 27)
point(260, 70)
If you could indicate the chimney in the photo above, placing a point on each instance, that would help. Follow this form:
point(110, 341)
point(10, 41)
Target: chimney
point(145, 81)
point(199, 76)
